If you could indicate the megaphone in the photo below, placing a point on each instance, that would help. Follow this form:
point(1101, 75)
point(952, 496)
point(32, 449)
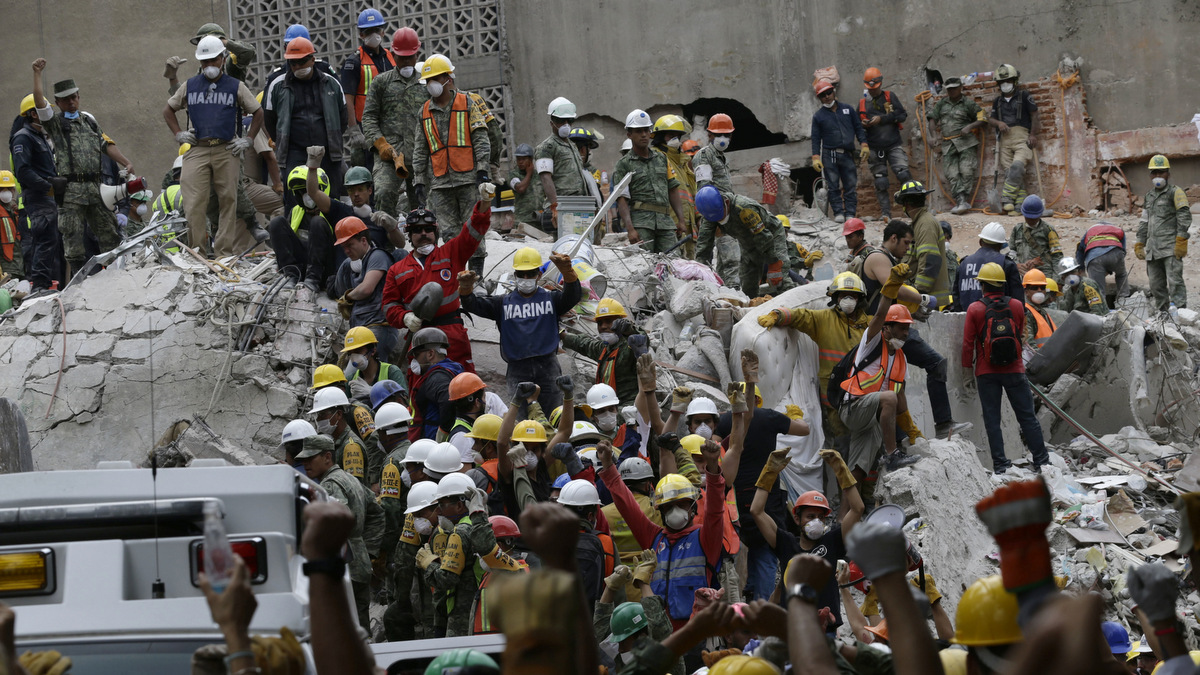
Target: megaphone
point(111, 194)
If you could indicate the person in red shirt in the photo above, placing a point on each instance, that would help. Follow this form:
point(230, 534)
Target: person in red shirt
point(441, 265)
point(995, 369)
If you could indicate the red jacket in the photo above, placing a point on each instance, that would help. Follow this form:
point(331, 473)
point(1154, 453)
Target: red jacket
point(972, 351)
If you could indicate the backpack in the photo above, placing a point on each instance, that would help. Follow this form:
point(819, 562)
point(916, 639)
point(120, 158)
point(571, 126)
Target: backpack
point(999, 336)
point(844, 370)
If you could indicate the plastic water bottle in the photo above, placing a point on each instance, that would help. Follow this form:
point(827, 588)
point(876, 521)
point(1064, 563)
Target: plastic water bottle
point(324, 323)
point(1174, 312)
point(218, 556)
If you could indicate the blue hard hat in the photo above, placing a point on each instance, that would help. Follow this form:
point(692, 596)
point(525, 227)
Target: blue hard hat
point(384, 389)
point(1033, 207)
point(369, 18)
point(1116, 636)
point(559, 482)
point(294, 31)
point(710, 204)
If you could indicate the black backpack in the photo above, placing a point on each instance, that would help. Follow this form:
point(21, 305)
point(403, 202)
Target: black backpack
point(1001, 345)
point(844, 370)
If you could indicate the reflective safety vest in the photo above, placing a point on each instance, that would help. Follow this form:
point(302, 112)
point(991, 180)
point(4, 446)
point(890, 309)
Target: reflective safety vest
point(1103, 235)
point(606, 366)
point(1045, 325)
point(500, 561)
point(456, 154)
point(8, 234)
point(385, 369)
point(299, 214)
point(168, 200)
point(452, 594)
point(892, 369)
point(887, 108)
point(368, 71)
point(682, 568)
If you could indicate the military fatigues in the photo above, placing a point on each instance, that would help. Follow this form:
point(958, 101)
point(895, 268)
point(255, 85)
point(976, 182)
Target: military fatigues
point(526, 206)
point(927, 257)
point(494, 132)
point(560, 158)
point(681, 163)
point(79, 145)
point(648, 196)
point(350, 453)
point(1084, 296)
point(393, 111)
point(647, 655)
point(960, 150)
point(409, 615)
point(709, 167)
point(1039, 241)
point(1166, 216)
point(762, 241)
point(457, 573)
point(366, 536)
point(951, 265)
point(392, 496)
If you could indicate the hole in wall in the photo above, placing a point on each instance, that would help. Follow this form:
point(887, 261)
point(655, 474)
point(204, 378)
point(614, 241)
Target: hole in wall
point(748, 131)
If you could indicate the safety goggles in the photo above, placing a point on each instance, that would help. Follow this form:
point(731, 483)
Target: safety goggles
point(826, 94)
point(418, 229)
point(875, 82)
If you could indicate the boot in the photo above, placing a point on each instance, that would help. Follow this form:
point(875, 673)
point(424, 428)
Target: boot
point(946, 430)
point(839, 218)
point(899, 459)
point(961, 207)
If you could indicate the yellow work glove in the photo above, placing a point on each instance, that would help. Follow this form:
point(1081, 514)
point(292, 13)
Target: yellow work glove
point(466, 282)
point(816, 163)
point(812, 258)
point(737, 397)
point(398, 162)
point(1181, 247)
point(834, 459)
point(45, 663)
point(563, 262)
point(425, 557)
point(863, 151)
point(769, 319)
point(386, 151)
point(980, 116)
point(680, 398)
point(647, 376)
point(1139, 249)
point(621, 576)
point(794, 412)
point(905, 421)
point(345, 306)
point(776, 462)
point(891, 288)
point(644, 571)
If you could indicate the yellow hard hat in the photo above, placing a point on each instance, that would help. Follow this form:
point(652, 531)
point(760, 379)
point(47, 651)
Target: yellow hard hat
point(1159, 163)
point(27, 104)
point(670, 123)
point(673, 488)
point(741, 664)
point(610, 309)
point(692, 443)
point(555, 416)
point(486, 427)
point(326, 375)
point(528, 431)
point(785, 221)
point(259, 98)
point(184, 148)
point(987, 615)
point(757, 397)
point(358, 337)
point(846, 282)
point(1051, 285)
point(435, 65)
point(7, 179)
point(527, 258)
point(992, 273)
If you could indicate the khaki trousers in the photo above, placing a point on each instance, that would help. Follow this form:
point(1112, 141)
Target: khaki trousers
point(215, 169)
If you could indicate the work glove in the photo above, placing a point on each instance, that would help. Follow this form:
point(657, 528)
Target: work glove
point(345, 306)
point(775, 273)
point(122, 219)
point(776, 462)
point(1188, 506)
point(793, 412)
point(172, 66)
point(736, 391)
point(668, 442)
point(385, 149)
point(566, 385)
point(644, 572)
point(419, 195)
point(183, 137)
point(623, 327)
point(425, 557)
point(1017, 516)
point(486, 191)
point(398, 163)
point(384, 220)
point(562, 262)
point(466, 282)
point(315, 154)
point(565, 453)
point(360, 390)
point(59, 184)
point(524, 391)
point(863, 151)
point(412, 322)
point(770, 319)
point(45, 663)
point(355, 138)
point(905, 421)
point(749, 367)
point(680, 398)
point(481, 177)
point(878, 549)
point(647, 377)
point(477, 502)
point(1181, 247)
point(812, 258)
point(929, 302)
point(891, 288)
point(1154, 588)
point(801, 251)
point(816, 163)
point(239, 146)
point(835, 461)
point(1139, 249)
point(640, 344)
point(620, 578)
point(519, 456)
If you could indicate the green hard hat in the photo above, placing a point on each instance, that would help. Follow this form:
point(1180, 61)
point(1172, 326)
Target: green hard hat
point(627, 619)
point(357, 175)
point(208, 29)
point(451, 661)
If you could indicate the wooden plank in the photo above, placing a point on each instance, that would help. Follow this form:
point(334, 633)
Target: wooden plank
point(15, 453)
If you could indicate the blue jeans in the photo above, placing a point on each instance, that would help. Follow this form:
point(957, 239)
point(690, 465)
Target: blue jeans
point(1021, 400)
point(761, 565)
point(919, 354)
point(841, 177)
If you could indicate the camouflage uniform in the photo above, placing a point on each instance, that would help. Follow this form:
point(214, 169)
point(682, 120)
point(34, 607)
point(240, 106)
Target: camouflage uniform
point(647, 655)
point(960, 151)
point(709, 163)
point(567, 170)
point(1084, 296)
point(393, 111)
point(494, 132)
point(350, 453)
point(648, 196)
point(526, 206)
point(409, 615)
point(457, 573)
point(79, 145)
point(392, 497)
point(1039, 241)
point(366, 536)
point(681, 163)
point(1165, 217)
point(762, 241)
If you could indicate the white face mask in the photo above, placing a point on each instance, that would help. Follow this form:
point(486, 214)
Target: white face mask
point(848, 305)
point(676, 518)
point(1006, 87)
point(830, 104)
point(407, 71)
point(325, 427)
point(359, 361)
point(303, 73)
point(606, 421)
point(6, 196)
point(721, 142)
point(212, 72)
point(373, 42)
point(1159, 181)
point(526, 286)
point(1038, 298)
point(674, 143)
point(435, 88)
point(406, 479)
point(704, 431)
point(610, 339)
point(142, 209)
point(363, 211)
point(422, 525)
point(531, 460)
point(445, 523)
point(814, 529)
point(415, 366)
point(425, 250)
point(564, 131)
point(356, 266)
point(1072, 279)
point(308, 202)
point(896, 343)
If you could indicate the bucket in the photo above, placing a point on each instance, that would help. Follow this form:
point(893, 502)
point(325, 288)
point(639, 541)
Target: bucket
point(575, 214)
point(585, 252)
point(594, 283)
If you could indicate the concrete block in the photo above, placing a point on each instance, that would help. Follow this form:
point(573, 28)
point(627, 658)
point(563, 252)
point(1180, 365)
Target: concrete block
point(140, 323)
point(248, 366)
point(282, 402)
point(131, 349)
point(96, 347)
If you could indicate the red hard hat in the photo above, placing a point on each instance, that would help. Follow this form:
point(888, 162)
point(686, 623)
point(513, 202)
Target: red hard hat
point(853, 225)
point(347, 227)
point(405, 42)
point(898, 314)
point(822, 86)
point(720, 124)
point(465, 384)
point(504, 527)
point(860, 580)
point(298, 48)
point(814, 499)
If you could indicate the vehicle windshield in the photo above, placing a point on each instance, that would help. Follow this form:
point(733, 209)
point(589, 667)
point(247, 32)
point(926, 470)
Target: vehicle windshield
point(164, 657)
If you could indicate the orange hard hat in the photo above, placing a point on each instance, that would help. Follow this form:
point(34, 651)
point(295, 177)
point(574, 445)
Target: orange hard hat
point(465, 384)
point(879, 630)
point(872, 74)
point(405, 42)
point(814, 499)
point(298, 48)
point(823, 85)
point(853, 225)
point(348, 227)
point(1034, 277)
point(690, 147)
point(720, 124)
point(898, 314)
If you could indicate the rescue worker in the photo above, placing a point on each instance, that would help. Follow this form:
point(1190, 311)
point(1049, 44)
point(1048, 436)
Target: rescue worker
point(329, 375)
point(389, 122)
point(432, 370)
point(309, 264)
point(528, 196)
point(1039, 325)
point(364, 541)
point(650, 206)
point(882, 116)
point(596, 553)
point(1080, 292)
point(454, 571)
point(454, 150)
point(291, 441)
point(955, 118)
point(382, 229)
point(710, 168)
point(557, 161)
point(360, 287)
point(359, 70)
point(388, 391)
point(11, 261)
point(502, 561)
point(484, 434)
point(407, 278)
point(1052, 293)
point(997, 368)
point(616, 362)
point(364, 461)
point(835, 129)
point(760, 236)
point(1162, 236)
point(927, 257)
point(34, 165)
point(1035, 242)
point(638, 476)
point(986, 623)
point(241, 54)
point(690, 147)
point(409, 614)
point(952, 260)
point(364, 368)
point(467, 393)
point(669, 131)
point(215, 103)
point(79, 144)
point(391, 426)
point(586, 141)
point(527, 318)
point(1101, 250)
point(1015, 117)
point(966, 287)
point(139, 210)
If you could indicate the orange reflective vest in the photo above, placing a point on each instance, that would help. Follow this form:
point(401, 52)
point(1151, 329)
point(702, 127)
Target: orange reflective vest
point(368, 71)
point(1045, 325)
point(8, 234)
point(606, 366)
point(496, 560)
point(887, 99)
point(892, 369)
point(456, 155)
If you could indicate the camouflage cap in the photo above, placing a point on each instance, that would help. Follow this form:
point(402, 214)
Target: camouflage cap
point(953, 82)
point(315, 445)
point(209, 29)
point(65, 88)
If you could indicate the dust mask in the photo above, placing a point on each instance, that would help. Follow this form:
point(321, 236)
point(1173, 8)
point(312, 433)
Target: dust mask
point(212, 72)
point(435, 88)
point(445, 523)
point(373, 42)
point(531, 460)
point(1072, 279)
point(142, 209)
point(363, 211)
point(71, 115)
point(896, 343)
point(415, 367)
point(308, 202)
point(425, 250)
point(848, 305)
point(829, 105)
point(325, 427)
point(359, 361)
point(674, 143)
point(721, 142)
point(1038, 298)
point(406, 479)
point(1159, 182)
point(407, 71)
point(814, 529)
point(676, 518)
point(526, 286)
point(704, 431)
point(356, 266)
point(606, 421)
point(303, 73)
point(1006, 87)
point(422, 525)
point(610, 339)
point(6, 196)
point(564, 131)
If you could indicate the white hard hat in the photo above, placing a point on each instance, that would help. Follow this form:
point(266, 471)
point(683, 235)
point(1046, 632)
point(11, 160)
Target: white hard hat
point(561, 108)
point(391, 415)
point(178, 163)
point(420, 495)
point(626, 145)
point(993, 232)
point(209, 47)
point(1067, 264)
point(636, 468)
point(297, 430)
point(445, 458)
point(602, 396)
point(454, 484)
point(419, 451)
point(585, 430)
point(590, 455)
point(329, 397)
point(638, 119)
point(579, 493)
point(702, 406)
